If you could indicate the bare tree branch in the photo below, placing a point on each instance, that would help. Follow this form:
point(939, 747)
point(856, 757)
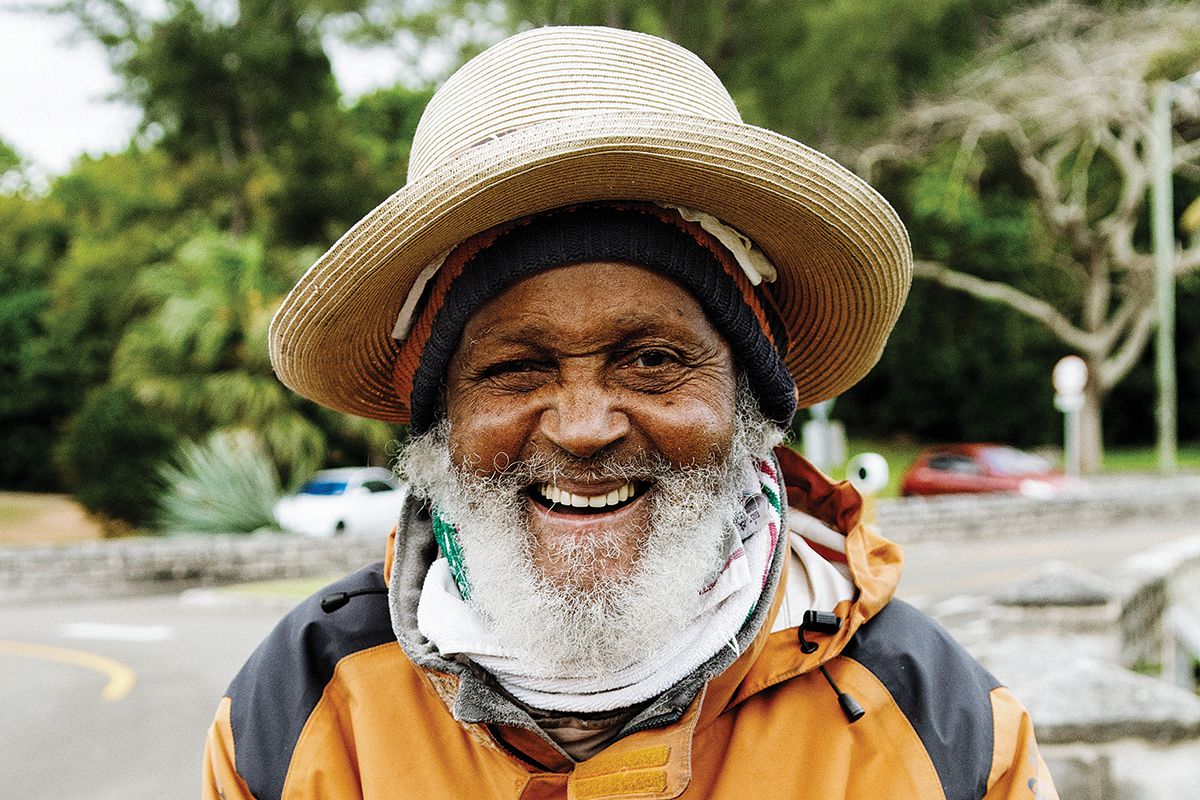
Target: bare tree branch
point(1014, 298)
point(874, 155)
point(1078, 192)
point(1117, 366)
point(1188, 260)
point(1118, 227)
point(1139, 296)
point(1097, 292)
point(1185, 154)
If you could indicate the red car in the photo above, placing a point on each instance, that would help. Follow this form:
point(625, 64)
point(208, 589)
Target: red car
point(970, 468)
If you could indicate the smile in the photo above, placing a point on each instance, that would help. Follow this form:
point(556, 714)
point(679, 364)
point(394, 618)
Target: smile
point(559, 499)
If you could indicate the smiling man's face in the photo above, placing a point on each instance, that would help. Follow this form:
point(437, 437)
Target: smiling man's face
point(605, 370)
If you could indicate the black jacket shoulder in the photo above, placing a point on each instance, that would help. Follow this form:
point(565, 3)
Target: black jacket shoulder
point(939, 687)
point(282, 682)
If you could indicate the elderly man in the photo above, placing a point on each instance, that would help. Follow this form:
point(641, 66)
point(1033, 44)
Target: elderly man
point(598, 302)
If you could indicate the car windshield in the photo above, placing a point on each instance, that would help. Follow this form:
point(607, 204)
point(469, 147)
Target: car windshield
point(323, 487)
point(1010, 461)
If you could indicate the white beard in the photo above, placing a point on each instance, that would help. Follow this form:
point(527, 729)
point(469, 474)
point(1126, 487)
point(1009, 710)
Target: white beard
point(588, 628)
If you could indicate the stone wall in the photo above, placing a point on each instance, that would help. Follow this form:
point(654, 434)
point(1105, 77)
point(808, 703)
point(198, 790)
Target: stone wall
point(1083, 652)
point(1129, 769)
point(148, 564)
point(1101, 501)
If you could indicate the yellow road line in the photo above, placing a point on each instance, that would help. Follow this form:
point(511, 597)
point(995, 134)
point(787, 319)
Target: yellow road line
point(120, 677)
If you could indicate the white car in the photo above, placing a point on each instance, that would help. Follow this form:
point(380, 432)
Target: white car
point(351, 501)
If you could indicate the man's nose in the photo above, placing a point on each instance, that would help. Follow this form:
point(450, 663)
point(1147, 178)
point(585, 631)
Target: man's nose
point(583, 421)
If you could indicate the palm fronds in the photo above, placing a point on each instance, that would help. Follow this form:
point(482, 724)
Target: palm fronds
point(226, 484)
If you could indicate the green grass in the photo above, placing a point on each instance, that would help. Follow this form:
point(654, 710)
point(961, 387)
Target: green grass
point(12, 513)
point(1152, 669)
point(1145, 459)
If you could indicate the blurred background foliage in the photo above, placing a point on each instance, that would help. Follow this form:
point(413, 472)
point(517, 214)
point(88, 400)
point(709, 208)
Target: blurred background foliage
point(136, 290)
point(225, 484)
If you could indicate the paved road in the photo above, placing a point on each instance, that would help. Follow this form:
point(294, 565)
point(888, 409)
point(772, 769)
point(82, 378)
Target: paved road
point(61, 739)
point(937, 570)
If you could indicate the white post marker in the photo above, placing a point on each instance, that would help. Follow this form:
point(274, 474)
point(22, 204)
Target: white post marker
point(868, 472)
point(824, 439)
point(1069, 377)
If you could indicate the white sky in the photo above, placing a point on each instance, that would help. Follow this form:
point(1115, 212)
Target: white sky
point(55, 91)
point(52, 93)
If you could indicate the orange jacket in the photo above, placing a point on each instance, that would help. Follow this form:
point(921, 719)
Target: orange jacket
point(331, 707)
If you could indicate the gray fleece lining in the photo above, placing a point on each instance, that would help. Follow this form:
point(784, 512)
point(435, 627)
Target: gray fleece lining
point(479, 698)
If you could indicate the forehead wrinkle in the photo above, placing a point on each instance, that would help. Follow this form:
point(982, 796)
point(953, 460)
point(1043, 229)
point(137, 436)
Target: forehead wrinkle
point(543, 327)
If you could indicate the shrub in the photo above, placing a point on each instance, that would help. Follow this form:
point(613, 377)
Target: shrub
point(226, 484)
point(108, 455)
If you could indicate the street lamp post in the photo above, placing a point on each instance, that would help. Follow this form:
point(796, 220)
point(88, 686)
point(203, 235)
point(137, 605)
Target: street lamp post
point(1069, 377)
point(1162, 224)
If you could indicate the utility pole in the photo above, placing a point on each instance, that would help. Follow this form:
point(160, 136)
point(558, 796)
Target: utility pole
point(1162, 224)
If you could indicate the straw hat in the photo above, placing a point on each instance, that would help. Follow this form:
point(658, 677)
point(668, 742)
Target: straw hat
point(558, 116)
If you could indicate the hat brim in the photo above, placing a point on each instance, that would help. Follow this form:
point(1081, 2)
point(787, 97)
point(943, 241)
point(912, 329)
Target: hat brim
point(842, 254)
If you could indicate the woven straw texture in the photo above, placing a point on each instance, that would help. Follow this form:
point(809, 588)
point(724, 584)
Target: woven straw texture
point(558, 116)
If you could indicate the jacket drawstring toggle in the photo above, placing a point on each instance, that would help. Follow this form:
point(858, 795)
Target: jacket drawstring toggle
point(828, 624)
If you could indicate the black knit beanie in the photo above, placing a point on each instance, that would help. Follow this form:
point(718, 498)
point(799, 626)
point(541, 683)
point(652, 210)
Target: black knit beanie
point(624, 234)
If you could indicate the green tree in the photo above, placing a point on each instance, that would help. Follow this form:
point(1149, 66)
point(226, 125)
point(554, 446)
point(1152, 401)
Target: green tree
point(12, 169)
point(249, 102)
point(1060, 104)
point(199, 355)
point(118, 212)
point(383, 123)
point(32, 237)
point(829, 72)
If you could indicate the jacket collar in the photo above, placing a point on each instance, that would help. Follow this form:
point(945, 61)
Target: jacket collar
point(875, 566)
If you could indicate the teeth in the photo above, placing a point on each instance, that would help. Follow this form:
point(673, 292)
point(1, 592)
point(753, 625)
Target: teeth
point(562, 497)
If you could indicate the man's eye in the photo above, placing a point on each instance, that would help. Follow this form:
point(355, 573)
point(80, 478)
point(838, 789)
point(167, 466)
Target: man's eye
point(510, 367)
point(652, 358)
